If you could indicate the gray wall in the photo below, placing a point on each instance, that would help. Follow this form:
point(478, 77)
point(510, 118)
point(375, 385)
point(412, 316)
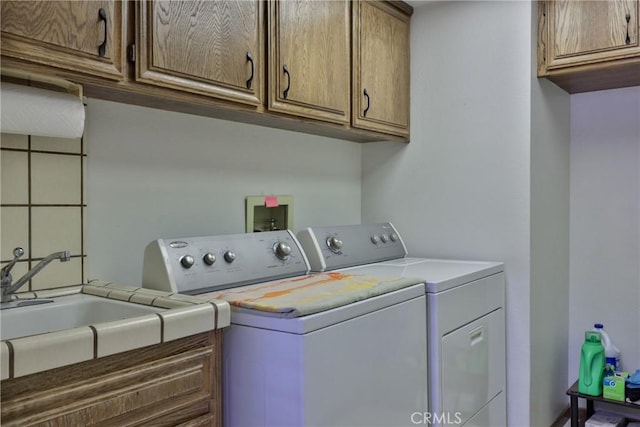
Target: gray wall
point(153, 174)
point(461, 188)
point(605, 221)
point(505, 166)
point(550, 160)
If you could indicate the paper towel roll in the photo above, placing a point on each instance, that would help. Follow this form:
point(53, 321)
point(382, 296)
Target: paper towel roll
point(33, 111)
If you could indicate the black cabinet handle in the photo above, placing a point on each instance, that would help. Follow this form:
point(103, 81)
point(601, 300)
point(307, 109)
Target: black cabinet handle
point(364, 113)
point(250, 59)
point(286, 91)
point(628, 18)
point(102, 49)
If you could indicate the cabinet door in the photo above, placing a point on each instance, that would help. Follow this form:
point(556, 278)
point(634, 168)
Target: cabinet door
point(380, 68)
point(309, 59)
point(176, 383)
point(588, 31)
point(212, 48)
point(80, 36)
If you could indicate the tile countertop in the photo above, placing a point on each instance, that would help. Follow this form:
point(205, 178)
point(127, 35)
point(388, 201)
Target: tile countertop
point(184, 316)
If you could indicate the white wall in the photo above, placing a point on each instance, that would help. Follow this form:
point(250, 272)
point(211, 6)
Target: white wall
point(154, 174)
point(461, 188)
point(605, 221)
point(550, 163)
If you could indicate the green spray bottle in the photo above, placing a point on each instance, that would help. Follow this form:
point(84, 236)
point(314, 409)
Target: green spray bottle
point(591, 365)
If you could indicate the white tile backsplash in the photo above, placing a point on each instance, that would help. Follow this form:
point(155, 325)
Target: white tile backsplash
point(9, 140)
point(58, 274)
point(55, 178)
point(14, 174)
point(20, 269)
point(42, 206)
point(14, 223)
point(55, 229)
point(61, 145)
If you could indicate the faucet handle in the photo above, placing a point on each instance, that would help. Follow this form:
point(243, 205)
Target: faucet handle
point(17, 253)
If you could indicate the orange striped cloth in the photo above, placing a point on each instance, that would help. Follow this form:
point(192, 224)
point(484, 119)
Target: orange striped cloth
point(312, 293)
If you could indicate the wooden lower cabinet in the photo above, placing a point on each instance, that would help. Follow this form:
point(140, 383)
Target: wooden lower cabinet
point(172, 384)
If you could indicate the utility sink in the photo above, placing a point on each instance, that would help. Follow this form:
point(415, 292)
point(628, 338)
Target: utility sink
point(66, 312)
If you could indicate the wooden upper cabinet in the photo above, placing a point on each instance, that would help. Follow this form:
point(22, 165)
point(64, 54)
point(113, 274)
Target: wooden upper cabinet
point(80, 36)
point(309, 71)
point(587, 30)
point(338, 68)
point(206, 47)
point(381, 67)
point(589, 44)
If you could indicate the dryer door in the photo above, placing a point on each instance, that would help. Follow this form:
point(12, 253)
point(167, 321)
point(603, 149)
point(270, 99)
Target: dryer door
point(473, 365)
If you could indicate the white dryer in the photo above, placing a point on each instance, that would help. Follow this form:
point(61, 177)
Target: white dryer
point(465, 317)
point(303, 350)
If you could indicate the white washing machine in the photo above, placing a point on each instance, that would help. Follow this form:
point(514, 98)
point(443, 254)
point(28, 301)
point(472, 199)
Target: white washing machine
point(339, 352)
point(465, 316)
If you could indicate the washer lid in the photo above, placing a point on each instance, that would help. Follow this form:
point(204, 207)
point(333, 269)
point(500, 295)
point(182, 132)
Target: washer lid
point(315, 293)
point(411, 297)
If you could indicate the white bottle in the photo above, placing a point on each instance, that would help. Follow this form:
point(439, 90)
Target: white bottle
point(611, 352)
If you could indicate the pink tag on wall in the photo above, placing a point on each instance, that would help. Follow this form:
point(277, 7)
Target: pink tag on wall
point(271, 201)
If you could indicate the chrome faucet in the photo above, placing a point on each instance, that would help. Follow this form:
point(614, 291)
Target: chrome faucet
point(6, 279)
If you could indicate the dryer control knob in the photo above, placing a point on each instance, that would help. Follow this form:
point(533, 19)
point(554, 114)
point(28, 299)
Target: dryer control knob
point(187, 261)
point(229, 256)
point(334, 244)
point(209, 258)
point(282, 250)
point(384, 238)
point(375, 239)
point(393, 237)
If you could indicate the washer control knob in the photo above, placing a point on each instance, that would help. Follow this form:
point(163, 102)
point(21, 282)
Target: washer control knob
point(334, 244)
point(375, 239)
point(282, 250)
point(209, 258)
point(393, 237)
point(187, 261)
point(229, 256)
point(384, 238)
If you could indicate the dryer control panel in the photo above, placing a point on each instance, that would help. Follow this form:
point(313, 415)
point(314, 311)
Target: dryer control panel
point(195, 265)
point(333, 247)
